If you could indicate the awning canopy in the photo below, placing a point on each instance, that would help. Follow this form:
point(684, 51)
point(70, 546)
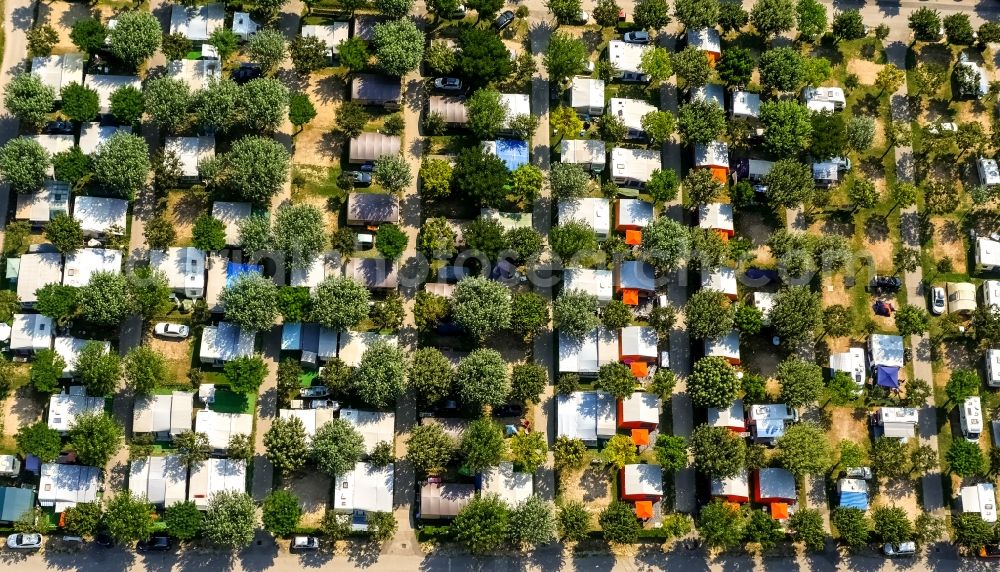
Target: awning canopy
point(640, 437)
point(630, 296)
point(640, 369)
point(644, 510)
point(633, 237)
point(854, 500)
point(887, 376)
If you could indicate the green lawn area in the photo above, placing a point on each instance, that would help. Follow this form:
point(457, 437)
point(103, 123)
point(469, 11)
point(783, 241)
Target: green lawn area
point(306, 379)
point(227, 401)
point(311, 180)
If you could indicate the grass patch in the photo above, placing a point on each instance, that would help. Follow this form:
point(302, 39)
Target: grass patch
point(227, 401)
point(312, 180)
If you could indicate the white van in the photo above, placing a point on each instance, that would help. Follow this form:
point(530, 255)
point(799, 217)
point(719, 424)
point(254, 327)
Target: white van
point(971, 418)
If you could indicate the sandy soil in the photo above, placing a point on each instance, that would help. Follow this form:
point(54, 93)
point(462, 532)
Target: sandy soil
point(834, 291)
point(848, 424)
point(176, 352)
point(864, 69)
point(62, 16)
point(900, 493)
point(317, 144)
point(183, 212)
point(948, 243)
point(752, 226)
point(313, 490)
point(589, 485)
point(329, 215)
point(20, 410)
point(877, 244)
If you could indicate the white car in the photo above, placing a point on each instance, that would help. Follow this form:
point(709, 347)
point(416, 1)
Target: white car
point(171, 330)
point(448, 84)
point(636, 37)
point(937, 300)
point(25, 541)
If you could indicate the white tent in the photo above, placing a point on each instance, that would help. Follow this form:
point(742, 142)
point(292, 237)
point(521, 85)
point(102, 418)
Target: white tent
point(732, 417)
point(366, 488)
point(311, 419)
point(221, 426)
point(162, 480)
point(512, 487)
point(886, 350)
point(586, 415)
point(374, 426)
point(898, 422)
point(64, 486)
point(639, 409)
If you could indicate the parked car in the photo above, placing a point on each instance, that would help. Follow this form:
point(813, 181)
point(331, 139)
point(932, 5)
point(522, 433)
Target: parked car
point(503, 20)
point(20, 541)
point(636, 37)
point(59, 128)
point(324, 404)
point(887, 283)
point(448, 84)
point(859, 473)
point(305, 543)
point(509, 410)
point(156, 543)
point(171, 330)
point(247, 72)
point(359, 178)
point(937, 301)
point(634, 77)
point(315, 391)
point(900, 549)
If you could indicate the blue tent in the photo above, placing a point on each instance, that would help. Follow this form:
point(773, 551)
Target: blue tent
point(514, 152)
point(234, 270)
point(15, 502)
point(887, 376)
point(636, 274)
point(854, 500)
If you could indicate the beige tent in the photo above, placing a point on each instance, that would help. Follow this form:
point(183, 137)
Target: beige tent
point(444, 500)
point(451, 109)
point(368, 147)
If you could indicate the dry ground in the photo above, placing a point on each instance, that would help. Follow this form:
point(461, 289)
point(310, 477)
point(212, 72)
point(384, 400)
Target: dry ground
point(20, 410)
point(183, 213)
point(313, 490)
point(752, 226)
point(317, 143)
point(61, 16)
point(848, 424)
point(176, 352)
point(864, 69)
point(834, 292)
point(590, 486)
point(948, 243)
point(900, 493)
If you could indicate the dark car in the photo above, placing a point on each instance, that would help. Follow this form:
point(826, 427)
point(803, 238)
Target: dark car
point(247, 72)
point(886, 283)
point(503, 20)
point(509, 410)
point(360, 178)
point(59, 128)
point(157, 543)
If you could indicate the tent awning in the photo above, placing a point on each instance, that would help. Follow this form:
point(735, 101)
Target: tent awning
point(640, 437)
point(640, 368)
point(887, 377)
point(779, 510)
point(854, 500)
point(644, 509)
point(630, 296)
point(633, 237)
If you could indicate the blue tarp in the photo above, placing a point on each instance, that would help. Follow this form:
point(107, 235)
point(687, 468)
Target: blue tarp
point(514, 152)
point(854, 500)
point(235, 269)
point(887, 376)
point(637, 275)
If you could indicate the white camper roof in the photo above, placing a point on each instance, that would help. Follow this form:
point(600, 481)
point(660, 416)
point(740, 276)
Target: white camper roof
point(64, 486)
point(352, 345)
point(583, 151)
point(641, 407)
point(215, 476)
point(191, 151)
point(633, 213)
point(643, 479)
point(972, 407)
point(310, 276)
point(586, 354)
point(746, 104)
point(332, 34)
point(37, 269)
point(716, 216)
point(735, 486)
point(851, 362)
point(638, 341)
point(634, 164)
point(721, 279)
point(98, 214)
point(84, 263)
point(93, 135)
point(987, 252)
point(586, 93)
point(586, 415)
point(184, 266)
point(106, 85)
point(630, 111)
point(366, 488)
point(311, 419)
point(198, 74)
point(58, 71)
point(162, 480)
point(732, 417)
point(31, 332)
point(69, 348)
point(886, 350)
point(710, 92)
point(714, 154)
point(163, 413)
point(728, 346)
point(512, 487)
point(374, 426)
point(231, 214)
point(980, 498)
point(197, 23)
point(596, 282)
point(991, 293)
point(625, 56)
point(591, 211)
point(705, 39)
point(898, 422)
point(775, 483)
point(226, 342)
point(221, 426)
point(64, 408)
point(764, 301)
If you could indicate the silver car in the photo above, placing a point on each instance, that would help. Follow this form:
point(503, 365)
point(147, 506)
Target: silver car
point(937, 301)
point(25, 541)
point(636, 37)
point(171, 330)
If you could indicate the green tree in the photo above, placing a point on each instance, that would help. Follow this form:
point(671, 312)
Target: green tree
point(533, 522)
point(732, 16)
point(889, 79)
point(891, 524)
point(616, 314)
point(487, 113)
point(482, 57)
point(958, 29)
point(340, 303)
point(573, 521)
point(789, 183)
point(262, 104)
point(481, 306)
point(662, 185)
point(482, 379)
point(251, 302)
point(606, 13)
point(79, 103)
point(853, 527)
point(128, 518)
point(440, 57)
point(527, 382)
point(72, 166)
point(736, 66)
point(65, 233)
point(565, 11)
point(23, 164)
point(122, 164)
point(208, 233)
point(569, 453)
point(245, 374)
point(691, 65)
point(801, 382)
point(481, 175)
point(482, 444)
point(721, 525)
point(393, 173)
point(166, 102)
point(811, 17)
point(95, 437)
point(575, 312)
point(46, 371)
point(98, 369)
point(771, 17)
point(848, 25)
point(192, 447)
point(225, 41)
point(787, 127)
point(399, 46)
point(214, 105)
point(966, 459)
point(380, 377)
point(28, 99)
point(254, 169)
point(717, 451)
point(135, 37)
point(82, 519)
point(88, 35)
point(709, 314)
point(804, 450)
point(565, 123)
point(435, 178)
point(281, 512)
point(651, 14)
point(834, 130)
point(617, 379)
point(807, 527)
point(564, 57)
point(656, 62)
point(300, 109)
point(175, 46)
point(888, 457)
point(285, 444)
point(483, 524)
point(145, 368)
point(618, 521)
point(431, 375)
point(972, 532)
point(429, 448)
point(911, 320)
point(336, 447)
point(671, 452)
point(527, 450)
point(962, 383)
point(353, 54)
point(796, 315)
point(183, 520)
point(571, 239)
point(697, 13)
point(230, 520)
point(701, 187)
point(39, 440)
point(308, 54)
point(267, 48)
point(701, 121)
point(781, 68)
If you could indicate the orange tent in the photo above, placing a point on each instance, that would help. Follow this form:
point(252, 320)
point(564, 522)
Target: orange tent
point(644, 509)
point(630, 296)
point(633, 237)
point(640, 368)
point(712, 58)
point(640, 437)
point(720, 174)
point(779, 511)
